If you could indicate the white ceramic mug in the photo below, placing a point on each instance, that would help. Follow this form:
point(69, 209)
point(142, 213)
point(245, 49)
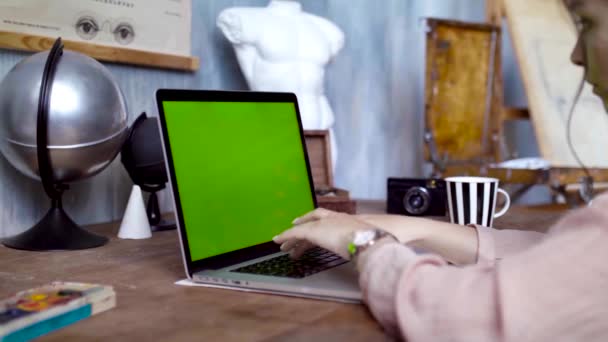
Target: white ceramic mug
point(473, 200)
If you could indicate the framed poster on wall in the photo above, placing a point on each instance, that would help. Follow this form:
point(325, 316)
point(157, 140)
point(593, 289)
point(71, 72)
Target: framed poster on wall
point(147, 32)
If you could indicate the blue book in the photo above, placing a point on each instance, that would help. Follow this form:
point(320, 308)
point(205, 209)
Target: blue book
point(32, 313)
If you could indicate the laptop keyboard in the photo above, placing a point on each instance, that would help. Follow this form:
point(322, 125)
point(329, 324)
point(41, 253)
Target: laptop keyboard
point(313, 261)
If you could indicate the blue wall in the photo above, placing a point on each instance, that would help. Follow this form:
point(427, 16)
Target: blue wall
point(375, 87)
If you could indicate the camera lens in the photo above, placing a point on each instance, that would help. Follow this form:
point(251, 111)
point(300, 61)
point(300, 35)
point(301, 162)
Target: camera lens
point(417, 200)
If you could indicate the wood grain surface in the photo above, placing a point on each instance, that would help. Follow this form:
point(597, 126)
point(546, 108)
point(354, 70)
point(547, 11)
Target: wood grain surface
point(27, 42)
point(151, 308)
point(461, 71)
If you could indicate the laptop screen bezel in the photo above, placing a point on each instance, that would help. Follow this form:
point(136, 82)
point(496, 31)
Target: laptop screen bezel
point(244, 254)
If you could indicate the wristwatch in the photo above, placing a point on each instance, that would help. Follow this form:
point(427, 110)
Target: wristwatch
point(364, 239)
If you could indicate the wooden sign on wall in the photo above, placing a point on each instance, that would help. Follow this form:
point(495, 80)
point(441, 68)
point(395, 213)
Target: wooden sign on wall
point(153, 33)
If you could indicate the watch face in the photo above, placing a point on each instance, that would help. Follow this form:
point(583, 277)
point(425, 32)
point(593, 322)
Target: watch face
point(363, 237)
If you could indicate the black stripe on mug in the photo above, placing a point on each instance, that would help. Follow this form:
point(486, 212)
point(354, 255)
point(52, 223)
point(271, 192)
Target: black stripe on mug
point(466, 202)
point(453, 201)
point(479, 190)
point(471, 201)
point(492, 205)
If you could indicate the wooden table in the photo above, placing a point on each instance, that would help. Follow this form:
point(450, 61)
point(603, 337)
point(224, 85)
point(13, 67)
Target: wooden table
point(150, 307)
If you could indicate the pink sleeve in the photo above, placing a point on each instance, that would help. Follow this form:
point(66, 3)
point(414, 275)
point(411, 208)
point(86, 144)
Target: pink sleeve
point(495, 244)
point(555, 290)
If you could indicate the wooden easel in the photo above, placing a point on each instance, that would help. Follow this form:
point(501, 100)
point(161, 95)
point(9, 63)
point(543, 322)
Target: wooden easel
point(485, 144)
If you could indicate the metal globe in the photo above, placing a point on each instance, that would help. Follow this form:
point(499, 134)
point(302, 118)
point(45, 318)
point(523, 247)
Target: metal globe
point(87, 119)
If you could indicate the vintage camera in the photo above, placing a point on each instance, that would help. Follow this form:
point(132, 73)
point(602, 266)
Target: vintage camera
point(416, 197)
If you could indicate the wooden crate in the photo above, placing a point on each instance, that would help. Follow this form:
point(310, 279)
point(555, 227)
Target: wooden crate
point(319, 157)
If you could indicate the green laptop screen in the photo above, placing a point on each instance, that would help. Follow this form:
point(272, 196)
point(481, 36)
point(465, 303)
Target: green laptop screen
point(240, 170)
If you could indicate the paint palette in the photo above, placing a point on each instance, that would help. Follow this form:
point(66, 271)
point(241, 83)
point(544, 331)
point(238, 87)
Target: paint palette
point(36, 302)
point(34, 312)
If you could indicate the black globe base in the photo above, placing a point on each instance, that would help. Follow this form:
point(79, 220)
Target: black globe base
point(163, 225)
point(157, 223)
point(56, 231)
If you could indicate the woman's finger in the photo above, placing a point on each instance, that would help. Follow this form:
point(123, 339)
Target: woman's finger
point(289, 245)
point(314, 215)
point(300, 249)
point(295, 233)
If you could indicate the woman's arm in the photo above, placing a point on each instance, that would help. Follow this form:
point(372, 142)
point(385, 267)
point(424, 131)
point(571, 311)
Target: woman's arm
point(455, 243)
point(555, 290)
point(458, 244)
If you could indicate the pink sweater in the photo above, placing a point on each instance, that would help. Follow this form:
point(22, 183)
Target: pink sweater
point(525, 286)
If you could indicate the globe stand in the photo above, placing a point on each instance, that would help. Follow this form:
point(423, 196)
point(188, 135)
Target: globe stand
point(56, 230)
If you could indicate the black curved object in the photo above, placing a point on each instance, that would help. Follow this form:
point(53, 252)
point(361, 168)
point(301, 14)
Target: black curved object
point(142, 156)
point(44, 100)
point(56, 230)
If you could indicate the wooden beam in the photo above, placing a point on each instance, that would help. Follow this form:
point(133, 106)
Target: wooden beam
point(511, 113)
point(506, 175)
point(566, 175)
point(555, 176)
point(27, 42)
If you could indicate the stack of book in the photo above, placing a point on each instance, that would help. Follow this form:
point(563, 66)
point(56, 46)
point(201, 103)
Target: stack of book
point(35, 312)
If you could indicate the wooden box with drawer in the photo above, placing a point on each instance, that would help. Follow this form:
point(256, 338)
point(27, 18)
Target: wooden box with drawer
point(319, 156)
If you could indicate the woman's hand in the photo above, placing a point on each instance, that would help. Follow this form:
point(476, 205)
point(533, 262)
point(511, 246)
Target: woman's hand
point(324, 228)
point(334, 231)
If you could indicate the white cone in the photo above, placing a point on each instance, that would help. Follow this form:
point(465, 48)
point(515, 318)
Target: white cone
point(135, 223)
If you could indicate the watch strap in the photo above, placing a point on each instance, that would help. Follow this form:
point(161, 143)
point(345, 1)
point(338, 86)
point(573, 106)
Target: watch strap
point(354, 249)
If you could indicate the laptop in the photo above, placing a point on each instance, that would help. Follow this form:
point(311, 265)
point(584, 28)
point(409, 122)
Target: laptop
point(239, 174)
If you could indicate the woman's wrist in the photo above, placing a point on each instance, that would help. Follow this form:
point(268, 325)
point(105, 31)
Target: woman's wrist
point(405, 228)
point(455, 243)
point(361, 258)
point(428, 232)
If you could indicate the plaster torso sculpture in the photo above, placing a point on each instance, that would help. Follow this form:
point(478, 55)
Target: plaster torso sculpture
point(282, 48)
